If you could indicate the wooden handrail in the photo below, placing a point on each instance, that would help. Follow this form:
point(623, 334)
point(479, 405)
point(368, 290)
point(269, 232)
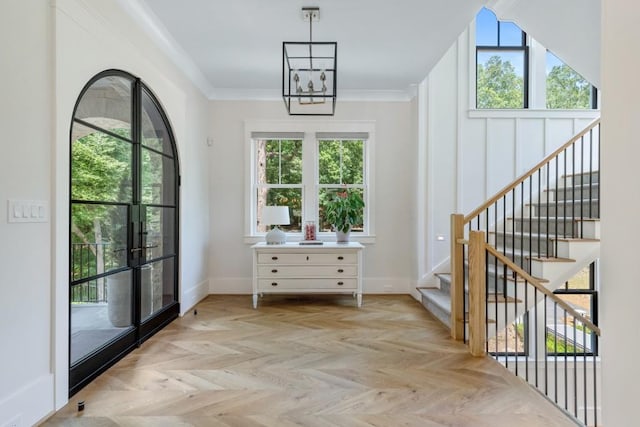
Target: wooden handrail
point(533, 170)
point(539, 286)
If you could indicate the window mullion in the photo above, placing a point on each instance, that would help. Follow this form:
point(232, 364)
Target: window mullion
point(309, 177)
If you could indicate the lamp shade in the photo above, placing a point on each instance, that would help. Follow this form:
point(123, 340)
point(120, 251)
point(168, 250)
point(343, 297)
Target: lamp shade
point(275, 215)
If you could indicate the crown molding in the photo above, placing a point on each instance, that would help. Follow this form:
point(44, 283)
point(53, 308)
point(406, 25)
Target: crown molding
point(232, 94)
point(149, 22)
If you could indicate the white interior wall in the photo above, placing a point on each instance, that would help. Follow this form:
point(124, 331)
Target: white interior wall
point(26, 380)
point(620, 207)
point(387, 262)
point(55, 48)
point(472, 154)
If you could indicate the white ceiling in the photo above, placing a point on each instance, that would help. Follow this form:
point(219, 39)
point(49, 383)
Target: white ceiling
point(232, 49)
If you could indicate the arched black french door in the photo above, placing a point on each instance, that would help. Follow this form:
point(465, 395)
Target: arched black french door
point(123, 223)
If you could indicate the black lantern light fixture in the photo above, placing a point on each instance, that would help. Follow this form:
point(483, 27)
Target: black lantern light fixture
point(309, 73)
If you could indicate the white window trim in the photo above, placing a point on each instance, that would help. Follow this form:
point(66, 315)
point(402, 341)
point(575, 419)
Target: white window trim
point(310, 153)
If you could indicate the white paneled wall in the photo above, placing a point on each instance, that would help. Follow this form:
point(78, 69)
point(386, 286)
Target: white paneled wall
point(472, 154)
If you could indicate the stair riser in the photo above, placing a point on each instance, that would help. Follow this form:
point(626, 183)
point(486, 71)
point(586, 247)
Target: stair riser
point(542, 225)
point(585, 209)
point(437, 311)
point(572, 193)
point(519, 260)
point(534, 244)
point(445, 285)
point(581, 179)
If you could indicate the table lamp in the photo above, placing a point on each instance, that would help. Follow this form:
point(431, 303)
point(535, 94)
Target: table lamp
point(275, 215)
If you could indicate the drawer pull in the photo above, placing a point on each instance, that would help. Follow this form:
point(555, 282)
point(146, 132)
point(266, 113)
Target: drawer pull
point(275, 258)
point(307, 258)
point(274, 270)
point(340, 270)
point(340, 257)
point(274, 283)
point(340, 283)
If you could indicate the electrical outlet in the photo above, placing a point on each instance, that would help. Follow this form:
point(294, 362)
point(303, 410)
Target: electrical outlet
point(14, 422)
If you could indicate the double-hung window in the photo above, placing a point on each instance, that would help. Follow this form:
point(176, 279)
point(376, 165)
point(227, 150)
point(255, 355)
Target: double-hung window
point(302, 169)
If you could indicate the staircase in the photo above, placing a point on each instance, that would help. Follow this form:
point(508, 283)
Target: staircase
point(508, 257)
point(551, 234)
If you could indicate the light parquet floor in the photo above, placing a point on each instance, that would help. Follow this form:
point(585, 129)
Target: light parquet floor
point(314, 361)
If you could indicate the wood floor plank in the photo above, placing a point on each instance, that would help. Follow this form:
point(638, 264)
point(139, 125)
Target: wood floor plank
point(307, 361)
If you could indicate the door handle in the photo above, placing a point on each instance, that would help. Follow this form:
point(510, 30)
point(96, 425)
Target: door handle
point(136, 250)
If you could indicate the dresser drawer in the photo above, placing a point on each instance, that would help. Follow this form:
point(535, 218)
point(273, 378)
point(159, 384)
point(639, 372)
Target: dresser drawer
point(307, 285)
point(265, 271)
point(307, 258)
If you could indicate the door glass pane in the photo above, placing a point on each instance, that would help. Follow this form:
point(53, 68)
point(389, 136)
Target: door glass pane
point(160, 229)
point(96, 323)
point(98, 241)
point(158, 179)
point(100, 166)
point(157, 286)
point(155, 134)
point(107, 104)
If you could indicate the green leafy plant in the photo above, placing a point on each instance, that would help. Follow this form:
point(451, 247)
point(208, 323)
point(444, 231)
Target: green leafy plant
point(344, 209)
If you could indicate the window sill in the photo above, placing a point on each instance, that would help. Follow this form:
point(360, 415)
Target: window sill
point(328, 237)
point(527, 113)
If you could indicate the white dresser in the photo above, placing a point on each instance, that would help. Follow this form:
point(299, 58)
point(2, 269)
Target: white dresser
point(295, 269)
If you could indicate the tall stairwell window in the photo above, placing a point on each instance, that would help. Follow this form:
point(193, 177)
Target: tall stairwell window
point(566, 89)
point(502, 62)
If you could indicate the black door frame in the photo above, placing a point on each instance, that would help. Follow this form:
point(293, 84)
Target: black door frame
point(93, 364)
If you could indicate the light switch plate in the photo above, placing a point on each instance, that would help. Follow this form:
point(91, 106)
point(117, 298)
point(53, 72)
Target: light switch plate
point(27, 211)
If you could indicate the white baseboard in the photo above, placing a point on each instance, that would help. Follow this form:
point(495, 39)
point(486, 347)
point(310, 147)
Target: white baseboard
point(231, 285)
point(30, 404)
point(193, 296)
point(430, 279)
point(386, 285)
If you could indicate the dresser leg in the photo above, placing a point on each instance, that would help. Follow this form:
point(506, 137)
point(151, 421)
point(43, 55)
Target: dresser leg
point(359, 300)
point(255, 300)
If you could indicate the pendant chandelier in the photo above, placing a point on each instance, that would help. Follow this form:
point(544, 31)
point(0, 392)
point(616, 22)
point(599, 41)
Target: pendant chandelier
point(309, 73)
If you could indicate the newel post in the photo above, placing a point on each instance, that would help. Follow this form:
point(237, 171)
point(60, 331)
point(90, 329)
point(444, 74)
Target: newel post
point(477, 293)
point(457, 277)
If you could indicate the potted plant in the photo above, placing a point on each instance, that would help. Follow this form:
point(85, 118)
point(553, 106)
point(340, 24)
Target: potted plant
point(344, 210)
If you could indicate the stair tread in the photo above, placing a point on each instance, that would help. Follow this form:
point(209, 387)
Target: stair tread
point(438, 297)
point(520, 279)
point(552, 259)
point(551, 218)
point(443, 275)
point(499, 298)
point(592, 184)
point(564, 202)
point(527, 234)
